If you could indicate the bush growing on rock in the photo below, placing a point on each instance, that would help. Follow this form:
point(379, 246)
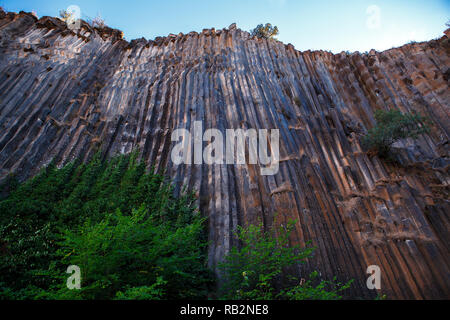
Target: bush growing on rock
point(266, 31)
point(65, 15)
point(391, 127)
point(97, 22)
point(256, 270)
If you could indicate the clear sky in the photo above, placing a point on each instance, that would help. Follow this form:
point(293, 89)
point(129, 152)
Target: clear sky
point(340, 25)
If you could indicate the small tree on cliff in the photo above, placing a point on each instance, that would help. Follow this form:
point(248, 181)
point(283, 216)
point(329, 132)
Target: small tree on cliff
point(391, 127)
point(257, 269)
point(65, 15)
point(97, 22)
point(266, 31)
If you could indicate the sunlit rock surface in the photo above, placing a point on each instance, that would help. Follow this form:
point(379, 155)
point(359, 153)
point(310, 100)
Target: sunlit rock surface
point(64, 95)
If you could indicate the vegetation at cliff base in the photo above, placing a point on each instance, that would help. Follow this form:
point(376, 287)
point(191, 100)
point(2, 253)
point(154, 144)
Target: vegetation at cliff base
point(391, 127)
point(257, 270)
point(131, 238)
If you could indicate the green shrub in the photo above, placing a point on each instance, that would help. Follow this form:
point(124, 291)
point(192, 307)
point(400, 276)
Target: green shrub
point(265, 31)
point(393, 126)
point(138, 253)
point(153, 292)
point(324, 290)
point(256, 270)
point(122, 226)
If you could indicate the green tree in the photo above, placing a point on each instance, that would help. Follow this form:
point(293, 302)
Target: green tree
point(393, 126)
point(123, 256)
point(255, 270)
point(65, 15)
point(119, 223)
point(266, 31)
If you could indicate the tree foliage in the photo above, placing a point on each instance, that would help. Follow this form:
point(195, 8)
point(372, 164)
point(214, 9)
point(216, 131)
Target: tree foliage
point(266, 31)
point(393, 126)
point(132, 239)
point(122, 226)
point(65, 15)
point(255, 271)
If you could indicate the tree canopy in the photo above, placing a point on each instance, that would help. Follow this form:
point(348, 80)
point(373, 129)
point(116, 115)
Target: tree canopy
point(266, 31)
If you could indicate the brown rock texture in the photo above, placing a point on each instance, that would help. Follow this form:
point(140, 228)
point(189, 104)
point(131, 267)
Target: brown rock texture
point(65, 95)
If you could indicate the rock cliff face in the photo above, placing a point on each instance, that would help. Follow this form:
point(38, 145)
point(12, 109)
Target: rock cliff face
point(65, 95)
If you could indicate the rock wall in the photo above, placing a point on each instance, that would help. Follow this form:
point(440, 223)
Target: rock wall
point(65, 95)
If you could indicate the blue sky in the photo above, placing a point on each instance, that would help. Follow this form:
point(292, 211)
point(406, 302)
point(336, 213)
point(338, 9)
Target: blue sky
point(338, 25)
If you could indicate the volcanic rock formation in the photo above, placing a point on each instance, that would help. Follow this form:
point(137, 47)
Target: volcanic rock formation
point(66, 95)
